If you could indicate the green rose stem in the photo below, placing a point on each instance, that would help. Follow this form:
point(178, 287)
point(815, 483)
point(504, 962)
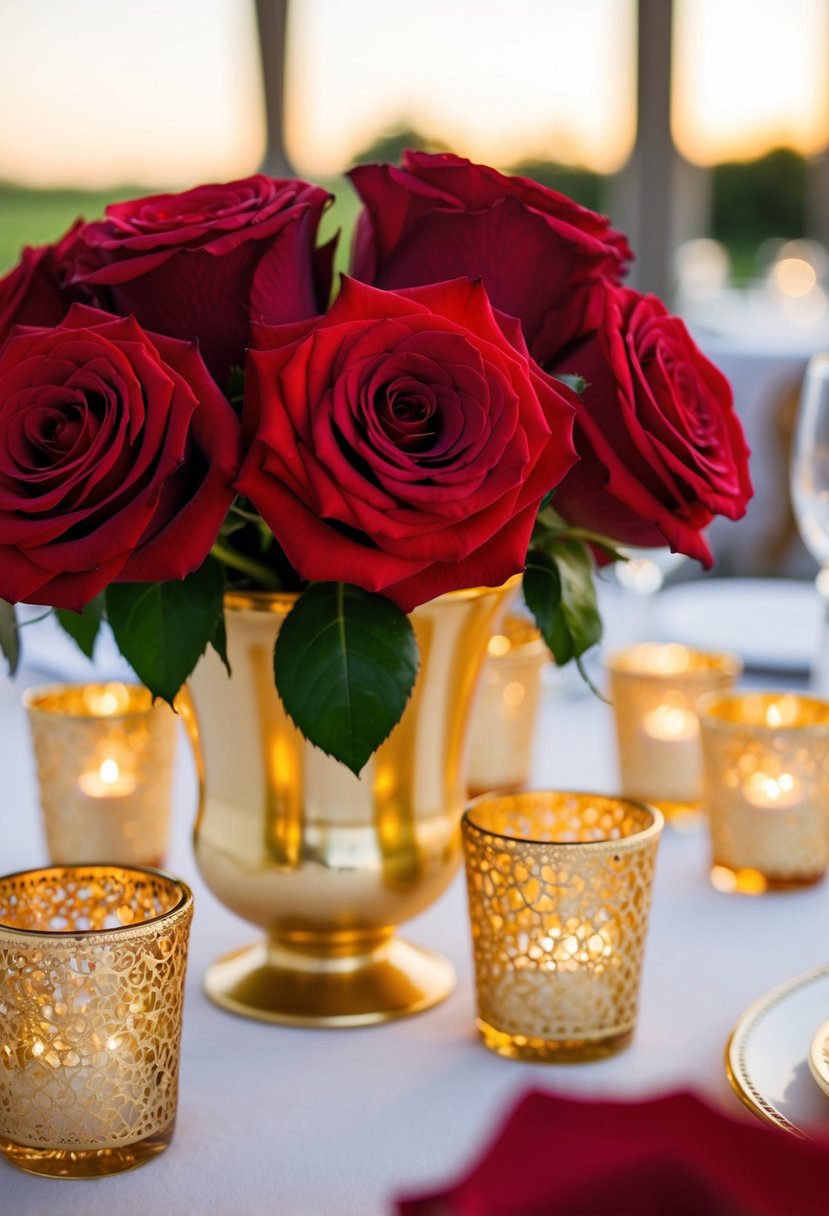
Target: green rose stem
point(550, 525)
point(265, 577)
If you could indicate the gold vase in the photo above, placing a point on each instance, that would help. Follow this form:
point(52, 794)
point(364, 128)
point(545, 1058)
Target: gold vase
point(326, 863)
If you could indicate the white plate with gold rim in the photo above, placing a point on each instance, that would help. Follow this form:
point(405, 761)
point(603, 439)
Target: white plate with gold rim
point(768, 1057)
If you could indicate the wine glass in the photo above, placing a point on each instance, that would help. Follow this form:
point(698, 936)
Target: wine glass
point(810, 487)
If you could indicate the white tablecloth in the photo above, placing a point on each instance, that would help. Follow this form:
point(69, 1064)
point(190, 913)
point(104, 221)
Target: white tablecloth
point(297, 1122)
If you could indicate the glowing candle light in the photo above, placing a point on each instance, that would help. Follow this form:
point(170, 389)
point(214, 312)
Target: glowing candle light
point(772, 793)
point(104, 756)
point(558, 919)
point(766, 764)
point(105, 700)
point(654, 688)
point(503, 724)
point(109, 780)
point(89, 1060)
point(668, 722)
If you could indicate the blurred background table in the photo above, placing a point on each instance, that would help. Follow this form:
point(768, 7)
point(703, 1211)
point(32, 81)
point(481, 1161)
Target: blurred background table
point(294, 1121)
point(764, 362)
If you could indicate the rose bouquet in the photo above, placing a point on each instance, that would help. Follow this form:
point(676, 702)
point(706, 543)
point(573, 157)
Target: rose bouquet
point(183, 412)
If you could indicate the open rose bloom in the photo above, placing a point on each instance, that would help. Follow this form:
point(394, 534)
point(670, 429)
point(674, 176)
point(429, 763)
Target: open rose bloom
point(184, 410)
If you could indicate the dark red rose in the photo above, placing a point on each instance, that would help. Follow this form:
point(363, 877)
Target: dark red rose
point(117, 453)
point(36, 291)
point(203, 264)
point(661, 448)
point(541, 256)
point(403, 442)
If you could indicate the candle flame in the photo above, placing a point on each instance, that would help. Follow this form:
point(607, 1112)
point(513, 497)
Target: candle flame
point(783, 712)
point(763, 790)
point(109, 771)
point(671, 721)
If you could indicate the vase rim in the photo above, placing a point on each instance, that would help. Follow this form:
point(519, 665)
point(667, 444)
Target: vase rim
point(260, 601)
point(282, 601)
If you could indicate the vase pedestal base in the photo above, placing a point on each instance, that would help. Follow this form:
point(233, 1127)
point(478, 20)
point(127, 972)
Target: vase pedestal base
point(275, 984)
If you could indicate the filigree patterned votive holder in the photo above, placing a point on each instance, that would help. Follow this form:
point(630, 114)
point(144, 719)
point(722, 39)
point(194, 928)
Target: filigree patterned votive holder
point(766, 757)
point(504, 718)
point(104, 756)
point(92, 965)
point(654, 688)
point(559, 896)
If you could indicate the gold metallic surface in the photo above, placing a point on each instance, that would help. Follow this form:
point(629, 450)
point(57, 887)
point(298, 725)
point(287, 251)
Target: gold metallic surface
point(328, 864)
point(654, 688)
point(559, 890)
point(504, 717)
point(104, 756)
point(766, 757)
point(93, 960)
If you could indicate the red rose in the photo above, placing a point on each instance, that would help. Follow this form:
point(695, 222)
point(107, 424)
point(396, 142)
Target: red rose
point(203, 264)
point(403, 442)
point(541, 256)
point(35, 292)
point(661, 448)
point(117, 452)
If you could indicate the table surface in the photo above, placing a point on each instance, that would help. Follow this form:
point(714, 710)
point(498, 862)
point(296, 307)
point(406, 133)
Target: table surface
point(317, 1122)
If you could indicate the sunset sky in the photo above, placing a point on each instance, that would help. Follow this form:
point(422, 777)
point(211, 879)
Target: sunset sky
point(99, 92)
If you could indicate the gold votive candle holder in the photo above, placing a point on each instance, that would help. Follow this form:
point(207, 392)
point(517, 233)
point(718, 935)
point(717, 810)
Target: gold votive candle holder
point(654, 689)
point(104, 756)
point(92, 964)
point(504, 718)
point(559, 890)
point(766, 757)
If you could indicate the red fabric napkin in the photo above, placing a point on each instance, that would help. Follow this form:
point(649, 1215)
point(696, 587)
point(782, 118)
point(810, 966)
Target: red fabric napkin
point(669, 1156)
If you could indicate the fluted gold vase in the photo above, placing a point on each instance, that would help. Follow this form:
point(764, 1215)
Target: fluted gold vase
point(328, 864)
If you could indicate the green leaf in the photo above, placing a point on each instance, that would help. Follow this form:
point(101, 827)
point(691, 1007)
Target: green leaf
point(9, 636)
point(559, 590)
point(163, 629)
point(578, 594)
point(345, 664)
point(577, 383)
point(542, 591)
point(83, 627)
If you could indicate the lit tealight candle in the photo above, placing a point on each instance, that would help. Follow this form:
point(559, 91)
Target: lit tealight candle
point(654, 688)
point(503, 722)
point(771, 793)
point(559, 890)
point(104, 757)
point(766, 757)
point(89, 1056)
point(109, 780)
point(669, 721)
